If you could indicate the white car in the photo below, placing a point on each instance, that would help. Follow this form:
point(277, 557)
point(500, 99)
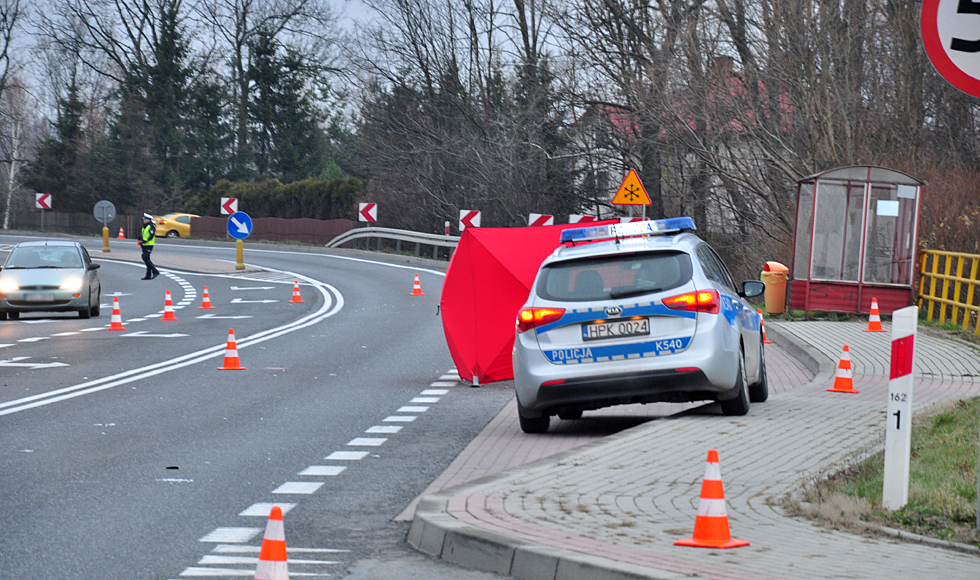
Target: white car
point(649, 314)
point(49, 276)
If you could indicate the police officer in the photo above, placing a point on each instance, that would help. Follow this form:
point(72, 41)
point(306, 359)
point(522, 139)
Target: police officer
point(148, 238)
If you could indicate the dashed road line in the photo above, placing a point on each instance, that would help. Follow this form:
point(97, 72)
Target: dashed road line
point(263, 509)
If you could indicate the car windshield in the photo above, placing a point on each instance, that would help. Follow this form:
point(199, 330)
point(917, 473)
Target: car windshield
point(44, 257)
point(614, 276)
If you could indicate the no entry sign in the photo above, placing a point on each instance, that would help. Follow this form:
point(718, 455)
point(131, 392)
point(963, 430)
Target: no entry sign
point(951, 36)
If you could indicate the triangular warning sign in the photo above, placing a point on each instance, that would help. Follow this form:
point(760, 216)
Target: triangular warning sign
point(631, 192)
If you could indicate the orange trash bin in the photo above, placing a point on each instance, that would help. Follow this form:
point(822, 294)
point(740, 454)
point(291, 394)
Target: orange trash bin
point(775, 275)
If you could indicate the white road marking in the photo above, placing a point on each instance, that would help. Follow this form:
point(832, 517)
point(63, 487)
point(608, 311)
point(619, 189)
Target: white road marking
point(346, 456)
point(216, 317)
point(299, 487)
point(366, 441)
point(412, 409)
point(6, 345)
point(15, 362)
point(240, 301)
point(143, 334)
point(444, 384)
point(332, 304)
point(174, 480)
point(325, 470)
point(216, 572)
point(434, 392)
point(425, 400)
point(65, 333)
point(399, 418)
point(264, 509)
point(34, 339)
point(36, 321)
point(226, 560)
point(387, 429)
point(231, 535)
point(232, 549)
point(136, 320)
point(449, 378)
point(252, 288)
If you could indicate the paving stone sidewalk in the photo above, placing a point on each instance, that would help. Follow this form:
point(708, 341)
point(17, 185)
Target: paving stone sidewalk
point(612, 508)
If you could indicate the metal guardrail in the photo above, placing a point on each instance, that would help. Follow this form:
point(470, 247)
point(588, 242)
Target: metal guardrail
point(955, 291)
point(400, 237)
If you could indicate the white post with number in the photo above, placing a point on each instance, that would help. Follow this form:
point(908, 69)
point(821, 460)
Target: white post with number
point(898, 435)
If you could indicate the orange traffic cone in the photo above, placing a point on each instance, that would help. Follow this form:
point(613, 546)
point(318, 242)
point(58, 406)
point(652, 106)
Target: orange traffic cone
point(762, 323)
point(874, 321)
point(116, 321)
point(711, 525)
point(231, 354)
point(296, 296)
point(121, 235)
point(417, 288)
point(168, 308)
point(844, 382)
point(272, 556)
point(206, 302)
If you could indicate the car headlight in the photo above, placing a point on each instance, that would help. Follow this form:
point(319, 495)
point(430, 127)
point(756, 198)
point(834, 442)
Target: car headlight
point(72, 284)
point(8, 285)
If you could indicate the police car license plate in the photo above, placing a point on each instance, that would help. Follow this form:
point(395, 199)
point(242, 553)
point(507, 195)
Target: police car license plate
point(616, 329)
point(38, 297)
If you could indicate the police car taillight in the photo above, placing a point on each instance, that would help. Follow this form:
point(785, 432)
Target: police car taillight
point(529, 318)
point(700, 301)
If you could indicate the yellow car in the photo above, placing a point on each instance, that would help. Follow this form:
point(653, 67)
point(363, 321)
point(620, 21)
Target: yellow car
point(174, 225)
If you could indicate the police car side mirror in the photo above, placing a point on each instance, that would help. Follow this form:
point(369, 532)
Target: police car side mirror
point(752, 288)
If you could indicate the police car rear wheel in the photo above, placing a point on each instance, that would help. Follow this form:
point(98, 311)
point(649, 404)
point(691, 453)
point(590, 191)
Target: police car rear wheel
point(532, 424)
point(740, 404)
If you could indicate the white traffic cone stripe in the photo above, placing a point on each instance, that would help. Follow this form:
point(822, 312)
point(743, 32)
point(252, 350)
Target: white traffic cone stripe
point(712, 508)
point(275, 531)
point(712, 471)
point(231, 352)
point(267, 570)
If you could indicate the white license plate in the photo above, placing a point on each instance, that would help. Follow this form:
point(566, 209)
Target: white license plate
point(38, 297)
point(616, 329)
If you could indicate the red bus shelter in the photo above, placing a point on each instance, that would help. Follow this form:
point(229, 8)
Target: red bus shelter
point(856, 238)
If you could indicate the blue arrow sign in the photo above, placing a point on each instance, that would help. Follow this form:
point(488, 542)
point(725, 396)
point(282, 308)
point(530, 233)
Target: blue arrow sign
point(239, 225)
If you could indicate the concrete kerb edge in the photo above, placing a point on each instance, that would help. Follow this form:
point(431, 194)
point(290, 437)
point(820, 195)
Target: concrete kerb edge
point(437, 533)
point(816, 362)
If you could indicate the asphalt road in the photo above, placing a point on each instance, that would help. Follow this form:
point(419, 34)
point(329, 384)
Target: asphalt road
point(128, 455)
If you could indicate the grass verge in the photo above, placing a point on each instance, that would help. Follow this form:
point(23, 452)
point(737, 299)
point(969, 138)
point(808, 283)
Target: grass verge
point(942, 483)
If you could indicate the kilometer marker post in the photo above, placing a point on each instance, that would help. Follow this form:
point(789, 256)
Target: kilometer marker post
point(898, 434)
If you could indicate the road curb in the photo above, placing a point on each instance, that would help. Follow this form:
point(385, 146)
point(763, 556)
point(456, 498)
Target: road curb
point(816, 362)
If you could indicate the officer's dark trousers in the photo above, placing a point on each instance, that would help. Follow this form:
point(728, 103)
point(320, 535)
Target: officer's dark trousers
point(151, 270)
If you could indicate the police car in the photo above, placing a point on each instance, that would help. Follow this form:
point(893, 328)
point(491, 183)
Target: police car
point(644, 312)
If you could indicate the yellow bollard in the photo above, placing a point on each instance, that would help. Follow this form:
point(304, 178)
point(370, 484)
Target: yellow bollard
point(240, 264)
point(105, 239)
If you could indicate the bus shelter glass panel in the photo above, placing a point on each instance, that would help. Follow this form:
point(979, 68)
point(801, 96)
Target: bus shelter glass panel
point(837, 227)
point(889, 251)
point(804, 225)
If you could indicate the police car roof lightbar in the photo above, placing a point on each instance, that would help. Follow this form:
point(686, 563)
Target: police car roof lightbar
point(627, 230)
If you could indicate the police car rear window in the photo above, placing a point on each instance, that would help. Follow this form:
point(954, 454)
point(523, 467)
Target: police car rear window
point(614, 276)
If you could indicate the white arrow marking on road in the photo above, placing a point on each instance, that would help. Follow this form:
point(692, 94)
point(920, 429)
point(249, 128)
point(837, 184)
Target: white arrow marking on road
point(216, 317)
point(242, 229)
point(14, 362)
point(143, 333)
point(252, 288)
point(240, 301)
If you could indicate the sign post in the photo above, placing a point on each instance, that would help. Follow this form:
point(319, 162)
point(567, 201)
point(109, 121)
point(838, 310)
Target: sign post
point(951, 36)
point(105, 212)
point(898, 434)
point(239, 227)
point(43, 202)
